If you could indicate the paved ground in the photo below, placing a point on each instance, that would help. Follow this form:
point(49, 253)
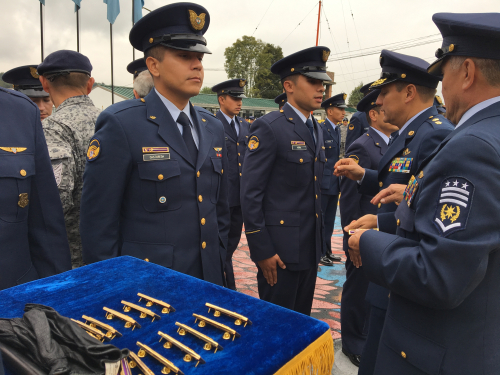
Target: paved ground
point(326, 305)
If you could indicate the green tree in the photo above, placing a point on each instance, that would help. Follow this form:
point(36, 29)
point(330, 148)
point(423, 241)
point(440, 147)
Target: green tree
point(267, 85)
point(242, 60)
point(355, 95)
point(4, 84)
point(206, 90)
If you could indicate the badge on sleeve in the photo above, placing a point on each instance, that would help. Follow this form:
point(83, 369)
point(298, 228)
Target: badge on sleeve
point(355, 158)
point(454, 204)
point(94, 149)
point(253, 143)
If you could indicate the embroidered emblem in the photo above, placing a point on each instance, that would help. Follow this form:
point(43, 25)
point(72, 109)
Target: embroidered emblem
point(218, 151)
point(453, 206)
point(34, 73)
point(253, 143)
point(14, 150)
point(94, 149)
point(242, 83)
point(351, 127)
point(355, 158)
point(149, 150)
point(326, 55)
point(410, 190)
point(23, 200)
point(197, 21)
point(402, 165)
point(378, 82)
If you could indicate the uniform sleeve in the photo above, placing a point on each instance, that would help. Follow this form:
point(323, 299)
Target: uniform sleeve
point(104, 182)
point(370, 184)
point(258, 164)
point(46, 229)
point(359, 129)
point(223, 213)
point(446, 265)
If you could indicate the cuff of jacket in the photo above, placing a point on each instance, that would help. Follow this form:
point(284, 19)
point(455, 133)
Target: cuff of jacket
point(260, 244)
point(369, 184)
point(372, 245)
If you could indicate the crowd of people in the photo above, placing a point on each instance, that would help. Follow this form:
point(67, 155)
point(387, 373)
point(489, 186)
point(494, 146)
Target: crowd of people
point(161, 180)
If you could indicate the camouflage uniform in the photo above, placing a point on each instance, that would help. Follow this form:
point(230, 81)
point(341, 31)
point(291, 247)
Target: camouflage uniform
point(68, 132)
point(343, 136)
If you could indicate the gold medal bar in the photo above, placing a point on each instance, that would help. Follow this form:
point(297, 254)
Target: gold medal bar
point(111, 332)
point(144, 312)
point(227, 331)
point(190, 352)
point(99, 335)
point(208, 341)
point(239, 318)
point(136, 362)
point(166, 307)
point(169, 366)
point(129, 322)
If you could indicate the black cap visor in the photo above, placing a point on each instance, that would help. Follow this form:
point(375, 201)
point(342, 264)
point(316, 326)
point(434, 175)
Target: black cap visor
point(183, 42)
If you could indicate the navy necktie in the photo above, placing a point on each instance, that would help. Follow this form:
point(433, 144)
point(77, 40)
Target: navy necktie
point(234, 129)
point(188, 136)
point(311, 129)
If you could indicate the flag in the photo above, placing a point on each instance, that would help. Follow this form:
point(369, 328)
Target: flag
point(113, 9)
point(42, 1)
point(77, 4)
point(138, 4)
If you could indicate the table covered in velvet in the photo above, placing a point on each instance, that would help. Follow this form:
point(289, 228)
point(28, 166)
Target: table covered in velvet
point(279, 340)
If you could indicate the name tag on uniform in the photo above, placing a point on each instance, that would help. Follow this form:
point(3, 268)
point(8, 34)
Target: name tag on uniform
point(329, 141)
point(298, 145)
point(401, 165)
point(153, 157)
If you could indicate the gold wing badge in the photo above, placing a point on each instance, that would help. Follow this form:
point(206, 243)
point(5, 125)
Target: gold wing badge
point(197, 21)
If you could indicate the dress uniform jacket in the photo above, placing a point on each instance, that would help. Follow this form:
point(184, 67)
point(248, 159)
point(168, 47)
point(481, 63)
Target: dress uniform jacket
point(443, 268)
point(168, 211)
point(331, 137)
point(280, 190)
point(236, 147)
point(358, 125)
point(33, 241)
point(417, 141)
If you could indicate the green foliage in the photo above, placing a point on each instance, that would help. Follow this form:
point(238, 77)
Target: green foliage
point(355, 95)
point(268, 85)
point(4, 84)
point(206, 90)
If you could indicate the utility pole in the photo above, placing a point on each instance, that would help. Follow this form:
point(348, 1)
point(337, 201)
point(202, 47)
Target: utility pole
point(319, 17)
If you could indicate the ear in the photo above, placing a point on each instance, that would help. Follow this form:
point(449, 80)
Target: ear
point(153, 66)
point(90, 84)
point(410, 93)
point(288, 86)
point(136, 95)
point(45, 83)
point(373, 115)
point(468, 72)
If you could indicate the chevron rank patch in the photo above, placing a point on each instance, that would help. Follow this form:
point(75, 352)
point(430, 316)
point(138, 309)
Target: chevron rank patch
point(401, 165)
point(454, 204)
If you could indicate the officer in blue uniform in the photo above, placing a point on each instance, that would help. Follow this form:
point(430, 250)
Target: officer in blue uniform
point(421, 129)
point(25, 80)
point(366, 151)
point(443, 267)
point(330, 188)
point(155, 183)
point(32, 231)
point(281, 100)
point(230, 95)
point(281, 182)
point(358, 124)
point(136, 67)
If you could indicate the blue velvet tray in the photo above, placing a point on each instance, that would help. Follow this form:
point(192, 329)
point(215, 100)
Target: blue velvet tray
point(276, 336)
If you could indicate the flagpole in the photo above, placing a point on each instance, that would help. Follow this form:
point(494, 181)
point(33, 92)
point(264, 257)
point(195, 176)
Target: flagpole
point(78, 29)
point(111, 45)
point(41, 29)
point(133, 14)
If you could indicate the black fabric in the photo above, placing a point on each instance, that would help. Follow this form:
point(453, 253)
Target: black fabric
point(187, 135)
point(234, 129)
point(56, 344)
point(369, 354)
point(329, 205)
point(311, 129)
point(17, 363)
point(232, 244)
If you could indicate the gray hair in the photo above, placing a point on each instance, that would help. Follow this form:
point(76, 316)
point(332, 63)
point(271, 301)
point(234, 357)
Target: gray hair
point(143, 84)
point(490, 68)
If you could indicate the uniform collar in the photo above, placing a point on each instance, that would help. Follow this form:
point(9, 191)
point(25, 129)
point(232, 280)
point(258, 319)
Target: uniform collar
point(229, 119)
point(410, 120)
point(475, 109)
point(301, 116)
point(174, 111)
point(331, 123)
point(382, 135)
point(80, 99)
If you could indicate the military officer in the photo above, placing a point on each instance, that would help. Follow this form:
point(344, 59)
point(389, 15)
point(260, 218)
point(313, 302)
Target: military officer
point(443, 267)
point(358, 124)
point(230, 95)
point(65, 75)
point(251, 119)
point(32, 233)
point(156, 175)
point(406, 97)
point(143, 82)
point(366, 151)
point(280, 100)
point(281, 182)
point(335, 111)
point(25, 80)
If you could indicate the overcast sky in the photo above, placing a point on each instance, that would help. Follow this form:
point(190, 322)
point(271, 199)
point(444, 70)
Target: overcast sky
point(352, 25)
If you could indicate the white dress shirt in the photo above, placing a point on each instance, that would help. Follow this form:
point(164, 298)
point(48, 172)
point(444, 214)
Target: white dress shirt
point(236, 123)
point(478, 107)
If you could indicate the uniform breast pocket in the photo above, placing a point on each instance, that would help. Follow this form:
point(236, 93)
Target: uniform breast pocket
point(16, 173)
point(216, 179)
point(299, 168)
point(160, 185)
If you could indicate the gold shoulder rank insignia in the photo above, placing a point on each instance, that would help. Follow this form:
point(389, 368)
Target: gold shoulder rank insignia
point(242, 83)
point(34, 73)
point(14, 150)
point(197, 21)
point(253, 143)
point(345, 96)
point(326, 55)
point(93, 150)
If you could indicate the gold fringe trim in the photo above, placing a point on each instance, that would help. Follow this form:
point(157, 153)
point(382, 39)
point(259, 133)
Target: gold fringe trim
point(316, 359)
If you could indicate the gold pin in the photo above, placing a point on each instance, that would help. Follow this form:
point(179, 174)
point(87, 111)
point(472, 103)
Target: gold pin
point(168, 366)
point(421, 174)
point(94, 332)
point(110, 331)
point(144, 312)
point(136, 362)
point(152, 117)
point(129, 322)
point(451, 47)
point(411, 132)
point(291, 119)
point(166, 308)
point(209, 342)
point(403, 75)
point(240, 319)
point(227, 330)
point(203, 120)
point(142, 100)
point(150, 40)
point(190, 353)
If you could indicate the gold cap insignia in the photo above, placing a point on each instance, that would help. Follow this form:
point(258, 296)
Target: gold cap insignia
point(253, 143)
point(197, 21)
point(34, 73)
point(242, 83)
point(93, 150)
point(345, 96)
point(326, 54)
point(378, 82)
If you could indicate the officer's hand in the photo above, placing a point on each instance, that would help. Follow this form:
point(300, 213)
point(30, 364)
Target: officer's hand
point(393, 193)
point(364, 222)
point(349, 168)
point(268, 267)
point(354, 253)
